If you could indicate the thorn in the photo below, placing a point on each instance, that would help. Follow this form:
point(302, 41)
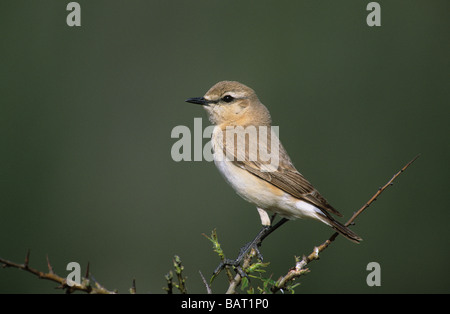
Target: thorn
point(87, 271)
point(50, 268)
point(27, 259)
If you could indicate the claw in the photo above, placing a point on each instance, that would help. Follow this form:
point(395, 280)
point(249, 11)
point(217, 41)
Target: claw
point(222, 265)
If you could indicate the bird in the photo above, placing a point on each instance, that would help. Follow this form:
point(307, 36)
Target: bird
point(274, 186)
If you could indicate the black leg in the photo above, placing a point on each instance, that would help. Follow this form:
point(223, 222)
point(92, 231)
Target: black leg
point(274, 227)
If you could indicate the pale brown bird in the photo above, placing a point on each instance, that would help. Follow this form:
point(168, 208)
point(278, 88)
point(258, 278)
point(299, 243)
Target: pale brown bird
point(259, 168)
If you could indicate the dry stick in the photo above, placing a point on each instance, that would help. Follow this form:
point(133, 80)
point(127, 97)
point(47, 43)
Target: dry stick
point(83, 286)
point(299, 268)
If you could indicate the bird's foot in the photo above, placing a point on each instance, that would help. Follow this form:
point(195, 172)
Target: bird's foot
point(243, 252)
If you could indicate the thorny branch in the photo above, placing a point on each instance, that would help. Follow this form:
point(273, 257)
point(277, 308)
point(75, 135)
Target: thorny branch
point(300, 265)
point(85, 285)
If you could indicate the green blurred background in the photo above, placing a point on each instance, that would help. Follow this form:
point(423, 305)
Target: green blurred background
point(86, 115)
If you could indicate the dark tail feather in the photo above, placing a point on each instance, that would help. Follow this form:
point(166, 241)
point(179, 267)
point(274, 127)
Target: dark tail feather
point(346, 232)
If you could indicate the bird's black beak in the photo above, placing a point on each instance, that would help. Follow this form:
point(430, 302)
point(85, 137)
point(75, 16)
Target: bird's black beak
point(198, 100)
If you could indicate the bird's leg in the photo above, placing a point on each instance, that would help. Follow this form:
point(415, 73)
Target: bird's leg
point(273, 218)
point(255, 244)
point(273, 228)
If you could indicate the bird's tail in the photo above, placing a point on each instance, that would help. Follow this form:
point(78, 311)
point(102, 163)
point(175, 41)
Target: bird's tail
point(345, 231)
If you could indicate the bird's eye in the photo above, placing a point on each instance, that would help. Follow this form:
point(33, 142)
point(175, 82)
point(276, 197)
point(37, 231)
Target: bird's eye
point(227, 98)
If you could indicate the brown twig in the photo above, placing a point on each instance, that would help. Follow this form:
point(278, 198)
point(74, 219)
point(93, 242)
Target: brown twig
point(300, 265)
point(84, 285)
point(236, 281)
point(50, 268)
